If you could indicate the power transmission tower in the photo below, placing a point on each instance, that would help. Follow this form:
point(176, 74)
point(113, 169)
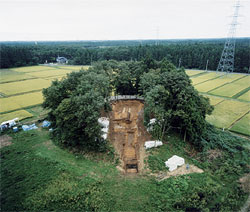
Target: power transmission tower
point(226, 63)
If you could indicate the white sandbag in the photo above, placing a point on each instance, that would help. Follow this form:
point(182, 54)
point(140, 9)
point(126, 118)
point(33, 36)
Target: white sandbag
point(104, 121)
point(174, 161)
point(151, 144)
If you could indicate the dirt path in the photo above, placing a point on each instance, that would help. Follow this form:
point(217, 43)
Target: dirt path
point(128, 134)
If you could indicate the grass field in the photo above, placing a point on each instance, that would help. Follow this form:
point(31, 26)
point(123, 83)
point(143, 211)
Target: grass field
point(232, 89)
point(75, 68)
point(37, 175)
point(245, 96)
point(23, 86)
point(219, 81)
point(243, 125)
point(21, 114)
point(227, 112)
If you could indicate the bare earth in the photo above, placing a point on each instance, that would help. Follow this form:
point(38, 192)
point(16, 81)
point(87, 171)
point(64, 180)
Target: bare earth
point(5, 140)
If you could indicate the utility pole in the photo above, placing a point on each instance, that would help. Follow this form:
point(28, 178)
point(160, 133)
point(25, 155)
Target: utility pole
point(207, 64)
point(179, 63)
point(226, 63)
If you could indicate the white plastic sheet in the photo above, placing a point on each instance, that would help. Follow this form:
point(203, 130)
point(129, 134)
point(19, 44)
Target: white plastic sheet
point(173, 162)
point(151, 144)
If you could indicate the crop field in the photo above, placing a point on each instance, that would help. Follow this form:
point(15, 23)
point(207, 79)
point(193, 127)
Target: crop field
point(7, 75)
point(49, 73)
point(242, 126)
point(23, 86)
point(204, 77)
point(214, 100)
point(32, 68)
point(193, 72)
point(21, 114)
point(20, 101)
point(232, 89)
point(227, 112)
point(214, 83)
point(7, 104)
point(75, 68)
point(245, 96)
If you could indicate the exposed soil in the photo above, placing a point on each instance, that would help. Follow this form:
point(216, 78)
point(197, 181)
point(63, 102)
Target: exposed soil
point(182, 170)
point(128, 134)
point(245, 183)
point(5, 140)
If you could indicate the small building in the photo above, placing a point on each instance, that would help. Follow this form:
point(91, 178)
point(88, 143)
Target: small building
point(61, 60)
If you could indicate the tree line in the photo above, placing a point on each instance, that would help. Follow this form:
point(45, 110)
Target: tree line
point(190, 54)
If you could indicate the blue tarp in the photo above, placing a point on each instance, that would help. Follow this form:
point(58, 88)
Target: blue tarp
point(46, 124)
point(29, 127)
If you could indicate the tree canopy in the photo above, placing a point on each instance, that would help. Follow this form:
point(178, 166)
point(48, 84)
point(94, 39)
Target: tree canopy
point(75, 104)
point(76, 101)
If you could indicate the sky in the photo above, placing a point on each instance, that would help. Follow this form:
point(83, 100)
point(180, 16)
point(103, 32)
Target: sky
point(37, 20)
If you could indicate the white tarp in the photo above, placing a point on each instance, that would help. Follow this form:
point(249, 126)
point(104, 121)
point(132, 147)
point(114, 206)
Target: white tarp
point(174, 161)
point(150, 144)
point(150, 124)
point(104, 122)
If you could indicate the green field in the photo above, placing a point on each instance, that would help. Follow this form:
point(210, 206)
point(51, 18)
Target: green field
point(232, 89)
point(217, 82)
point(243, 125)
point(20, 114)
point(203, 77)
point(23, 86)
point(214, 100)
point(245, 96)
point(227, 112)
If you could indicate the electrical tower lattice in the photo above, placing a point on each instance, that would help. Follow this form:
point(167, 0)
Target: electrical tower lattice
point(226, 63)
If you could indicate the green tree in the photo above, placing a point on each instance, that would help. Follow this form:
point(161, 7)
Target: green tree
point(173, 101)
point(75, 104)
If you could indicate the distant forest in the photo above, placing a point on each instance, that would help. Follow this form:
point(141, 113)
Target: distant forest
point(190, 54)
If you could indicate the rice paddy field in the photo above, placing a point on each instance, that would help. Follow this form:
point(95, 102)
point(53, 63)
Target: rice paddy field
point(21, 90)
point(230, 96)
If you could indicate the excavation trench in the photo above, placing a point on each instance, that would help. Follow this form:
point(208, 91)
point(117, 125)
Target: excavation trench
point(128, 134)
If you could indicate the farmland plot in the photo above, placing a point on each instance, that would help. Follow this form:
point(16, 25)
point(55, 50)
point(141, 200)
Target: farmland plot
point(232, 89)
point(193, 72)
point(243, 125)
point(203, 78)
point(32, 68)
point(50, 73)
point(245, 96)
point(75, 68)
point(20, 101)
point(219, 81)
point(214, 100)
point(227, 112)
point(20, 114)
point(7, 104)
point(24, 86)
point(7, 75)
